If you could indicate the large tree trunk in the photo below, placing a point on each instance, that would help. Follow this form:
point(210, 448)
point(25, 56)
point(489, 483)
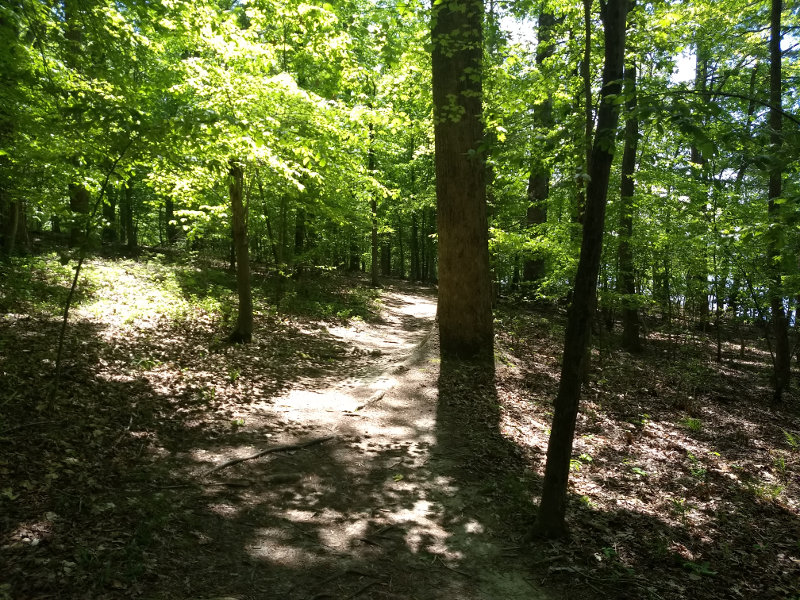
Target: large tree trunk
point(465, 309)
point(244, 323)
point(539, 181)
point(780, 322)
point(626, 284)
point(552, 510)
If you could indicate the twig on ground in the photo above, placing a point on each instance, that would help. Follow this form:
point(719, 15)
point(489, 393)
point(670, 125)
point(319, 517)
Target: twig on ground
point(372, 399)
point(282, 448)
point(449, 568)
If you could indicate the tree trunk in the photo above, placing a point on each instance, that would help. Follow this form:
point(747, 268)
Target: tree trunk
point(401, 272)
point(244, 323)
point(11, 223)
point(355, 256)
point(780, 322)
point(126, 215)
point(626, 284)
point(373, 207)
point(79, 205)
point(539, 181)
point(413, 250)
point(465, 311)
point(552, 510)
point(588, 120)
point(697, 284)
point(299, 239)
point(110, 218)
point(169, 218)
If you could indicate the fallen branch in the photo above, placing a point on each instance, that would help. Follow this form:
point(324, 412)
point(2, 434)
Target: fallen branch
point(282, 448)
point(372, 399)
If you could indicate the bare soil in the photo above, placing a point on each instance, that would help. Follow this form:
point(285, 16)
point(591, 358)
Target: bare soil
point(109, 495)
point(385, 473)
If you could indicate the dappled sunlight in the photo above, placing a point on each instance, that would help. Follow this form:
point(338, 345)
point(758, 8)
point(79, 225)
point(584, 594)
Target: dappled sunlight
point(677, 468)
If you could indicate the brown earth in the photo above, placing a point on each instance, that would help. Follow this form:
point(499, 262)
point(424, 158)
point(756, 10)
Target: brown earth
point(388, 507)
point(424, 476)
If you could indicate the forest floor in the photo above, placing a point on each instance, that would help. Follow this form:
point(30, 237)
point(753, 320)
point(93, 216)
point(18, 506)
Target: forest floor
point(385, 473)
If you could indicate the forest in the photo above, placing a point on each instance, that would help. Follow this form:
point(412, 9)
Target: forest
point(399, 299)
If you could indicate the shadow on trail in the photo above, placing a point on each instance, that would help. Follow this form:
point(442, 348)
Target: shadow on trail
point(105, 497)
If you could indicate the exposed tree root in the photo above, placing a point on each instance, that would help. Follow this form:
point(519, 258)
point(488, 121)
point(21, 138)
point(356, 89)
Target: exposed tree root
point(281, 448)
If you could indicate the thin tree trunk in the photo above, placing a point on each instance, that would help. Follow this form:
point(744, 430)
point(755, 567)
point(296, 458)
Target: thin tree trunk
point(552, 509)
point(127, 211)
point(626, 282)
point(780, 322)
point(539, 181)
point(169, 221)
point(299, 238)
point(588, 120)
point(244, 322)
point(465, 310)
point(110, 216)
point(414, 275)
point(402, 250)
point(373, 207)
point(79, 206)
point(698, 276)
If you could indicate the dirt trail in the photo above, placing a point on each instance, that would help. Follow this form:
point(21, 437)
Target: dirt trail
point(376, 512)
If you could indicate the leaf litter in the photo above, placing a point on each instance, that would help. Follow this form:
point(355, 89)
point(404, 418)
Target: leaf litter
point(684, 481)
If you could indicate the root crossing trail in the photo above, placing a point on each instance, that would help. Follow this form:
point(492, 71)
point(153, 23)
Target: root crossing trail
point(376, 511)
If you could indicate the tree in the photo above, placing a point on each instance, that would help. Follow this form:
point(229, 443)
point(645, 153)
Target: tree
point(626, 284)
point(552, 509)
point(243, 332)
point(780, 322)
point(539, 180)
point(464, 312)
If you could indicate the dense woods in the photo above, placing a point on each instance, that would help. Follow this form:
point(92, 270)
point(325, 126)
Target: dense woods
point(629, 170)
point(125, 117)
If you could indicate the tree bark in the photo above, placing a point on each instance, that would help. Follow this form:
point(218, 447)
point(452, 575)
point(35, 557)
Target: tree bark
point(539, 181)
point(244, 322)
point(465, 311)
point(11, 222)
point(413, 250)
point(626, 284)
point(584, 166)
point(386, 257)
point(552, 510)
point(110, 217)
point(697, 284)
point(373, 207)
point(401, 249)
point(169, 218)
point(299, 239)
point(79, 206)
point(780, 322)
